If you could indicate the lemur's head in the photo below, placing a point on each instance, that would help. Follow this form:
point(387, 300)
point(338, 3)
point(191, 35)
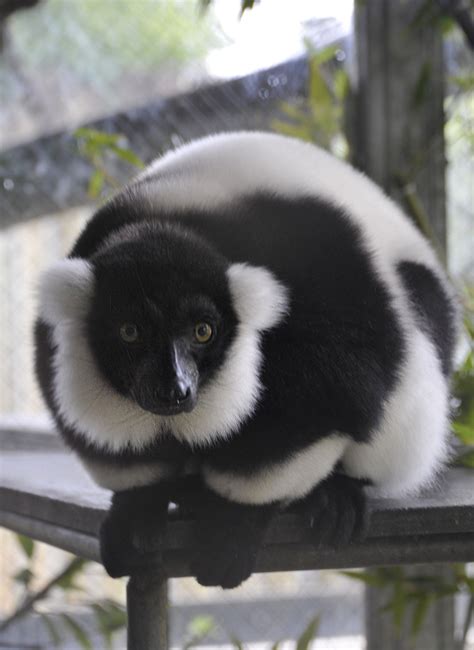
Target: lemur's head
point(157, 331)
point(161, 316)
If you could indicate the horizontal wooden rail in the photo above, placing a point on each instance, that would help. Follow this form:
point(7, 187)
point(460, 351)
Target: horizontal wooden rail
point(48, 496)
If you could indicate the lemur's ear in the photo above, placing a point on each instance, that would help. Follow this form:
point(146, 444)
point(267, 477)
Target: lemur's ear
point(65, 289)
point(259, 299)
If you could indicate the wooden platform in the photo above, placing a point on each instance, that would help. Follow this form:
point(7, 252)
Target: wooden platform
point(48, 496)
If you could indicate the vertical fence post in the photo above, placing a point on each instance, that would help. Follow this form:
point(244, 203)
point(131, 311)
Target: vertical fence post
point(147, 609)
point(397, 139)
point(399, 130)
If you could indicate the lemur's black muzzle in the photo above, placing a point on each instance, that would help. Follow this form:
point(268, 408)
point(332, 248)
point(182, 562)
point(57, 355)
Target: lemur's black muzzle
point(167, 383)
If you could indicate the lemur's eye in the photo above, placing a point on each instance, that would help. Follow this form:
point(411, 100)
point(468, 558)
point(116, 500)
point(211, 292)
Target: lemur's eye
point(203, 332)
point(129, 332)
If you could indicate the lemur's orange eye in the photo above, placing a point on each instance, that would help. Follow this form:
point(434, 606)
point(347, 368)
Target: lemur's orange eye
point(129, 332)
point(203, 332)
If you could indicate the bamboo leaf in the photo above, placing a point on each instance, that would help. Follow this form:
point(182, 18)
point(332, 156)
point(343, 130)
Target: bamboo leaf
point(79, 633)
point(202, 625)
point(308, 635)
point(326, 54)
point(103, 623)
point(52, 630)
point(98, 138)
point(372, 579)
point(420, 612)
point(398, 603)
point(318, 90)
point(127, 155)
point(96, 183)
point(465, 432)
point(467, 459)
point(27, 544)
point(67, 581)
point(341, 84)
point(236, 643)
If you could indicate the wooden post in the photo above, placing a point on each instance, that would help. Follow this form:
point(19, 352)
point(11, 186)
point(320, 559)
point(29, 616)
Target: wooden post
point(147, 609)
point(397, 139)
point(398, 136)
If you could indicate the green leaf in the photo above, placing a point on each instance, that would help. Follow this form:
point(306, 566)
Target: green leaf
point(372, 579)
point(319, 94)
point(326, 54)
point(464, 432)
point(236, 643)
point(110, 617)
point(102, 619)
point(398, 603)
point(466, 460)
point(276, 646)
point(419, 613)
point(52, 630)
point(294, 112)
point(127, 155)
point(246, 4)
point(79, 633)
point(96, 183)
point(308, 635)
point(96, 137)
point(201, 625)
point(75, 567)
point(27, 544)
point(341, 84)
point(24, 577)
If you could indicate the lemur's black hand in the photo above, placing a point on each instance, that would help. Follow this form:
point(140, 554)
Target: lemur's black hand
point(228, 537)
point(131, 536)
point(336, 511)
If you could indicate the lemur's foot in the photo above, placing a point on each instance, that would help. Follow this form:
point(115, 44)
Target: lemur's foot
point(225, 558)
point(132, 534)
point(228, 538)
point(336, 511)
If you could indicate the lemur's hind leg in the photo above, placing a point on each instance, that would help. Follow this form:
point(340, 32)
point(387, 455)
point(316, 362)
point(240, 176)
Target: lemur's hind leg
point(336, 511)
point(228, 537)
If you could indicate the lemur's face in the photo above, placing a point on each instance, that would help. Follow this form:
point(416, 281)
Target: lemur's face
point(160, 322)
point(157, 332)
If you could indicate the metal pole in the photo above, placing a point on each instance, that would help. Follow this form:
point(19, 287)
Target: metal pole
point(147, 608)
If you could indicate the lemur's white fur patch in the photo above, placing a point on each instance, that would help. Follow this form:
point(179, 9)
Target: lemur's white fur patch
point(285, 481)
point(135, 474)
point(64, 291)
point(89, 404)
point(259, 299)
point(410, 444)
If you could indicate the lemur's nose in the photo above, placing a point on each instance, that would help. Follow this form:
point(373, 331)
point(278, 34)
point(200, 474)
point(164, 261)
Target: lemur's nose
point(176, 394)
point(180, 392)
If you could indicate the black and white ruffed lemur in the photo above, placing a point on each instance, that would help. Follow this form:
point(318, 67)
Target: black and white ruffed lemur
point(249, 323)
